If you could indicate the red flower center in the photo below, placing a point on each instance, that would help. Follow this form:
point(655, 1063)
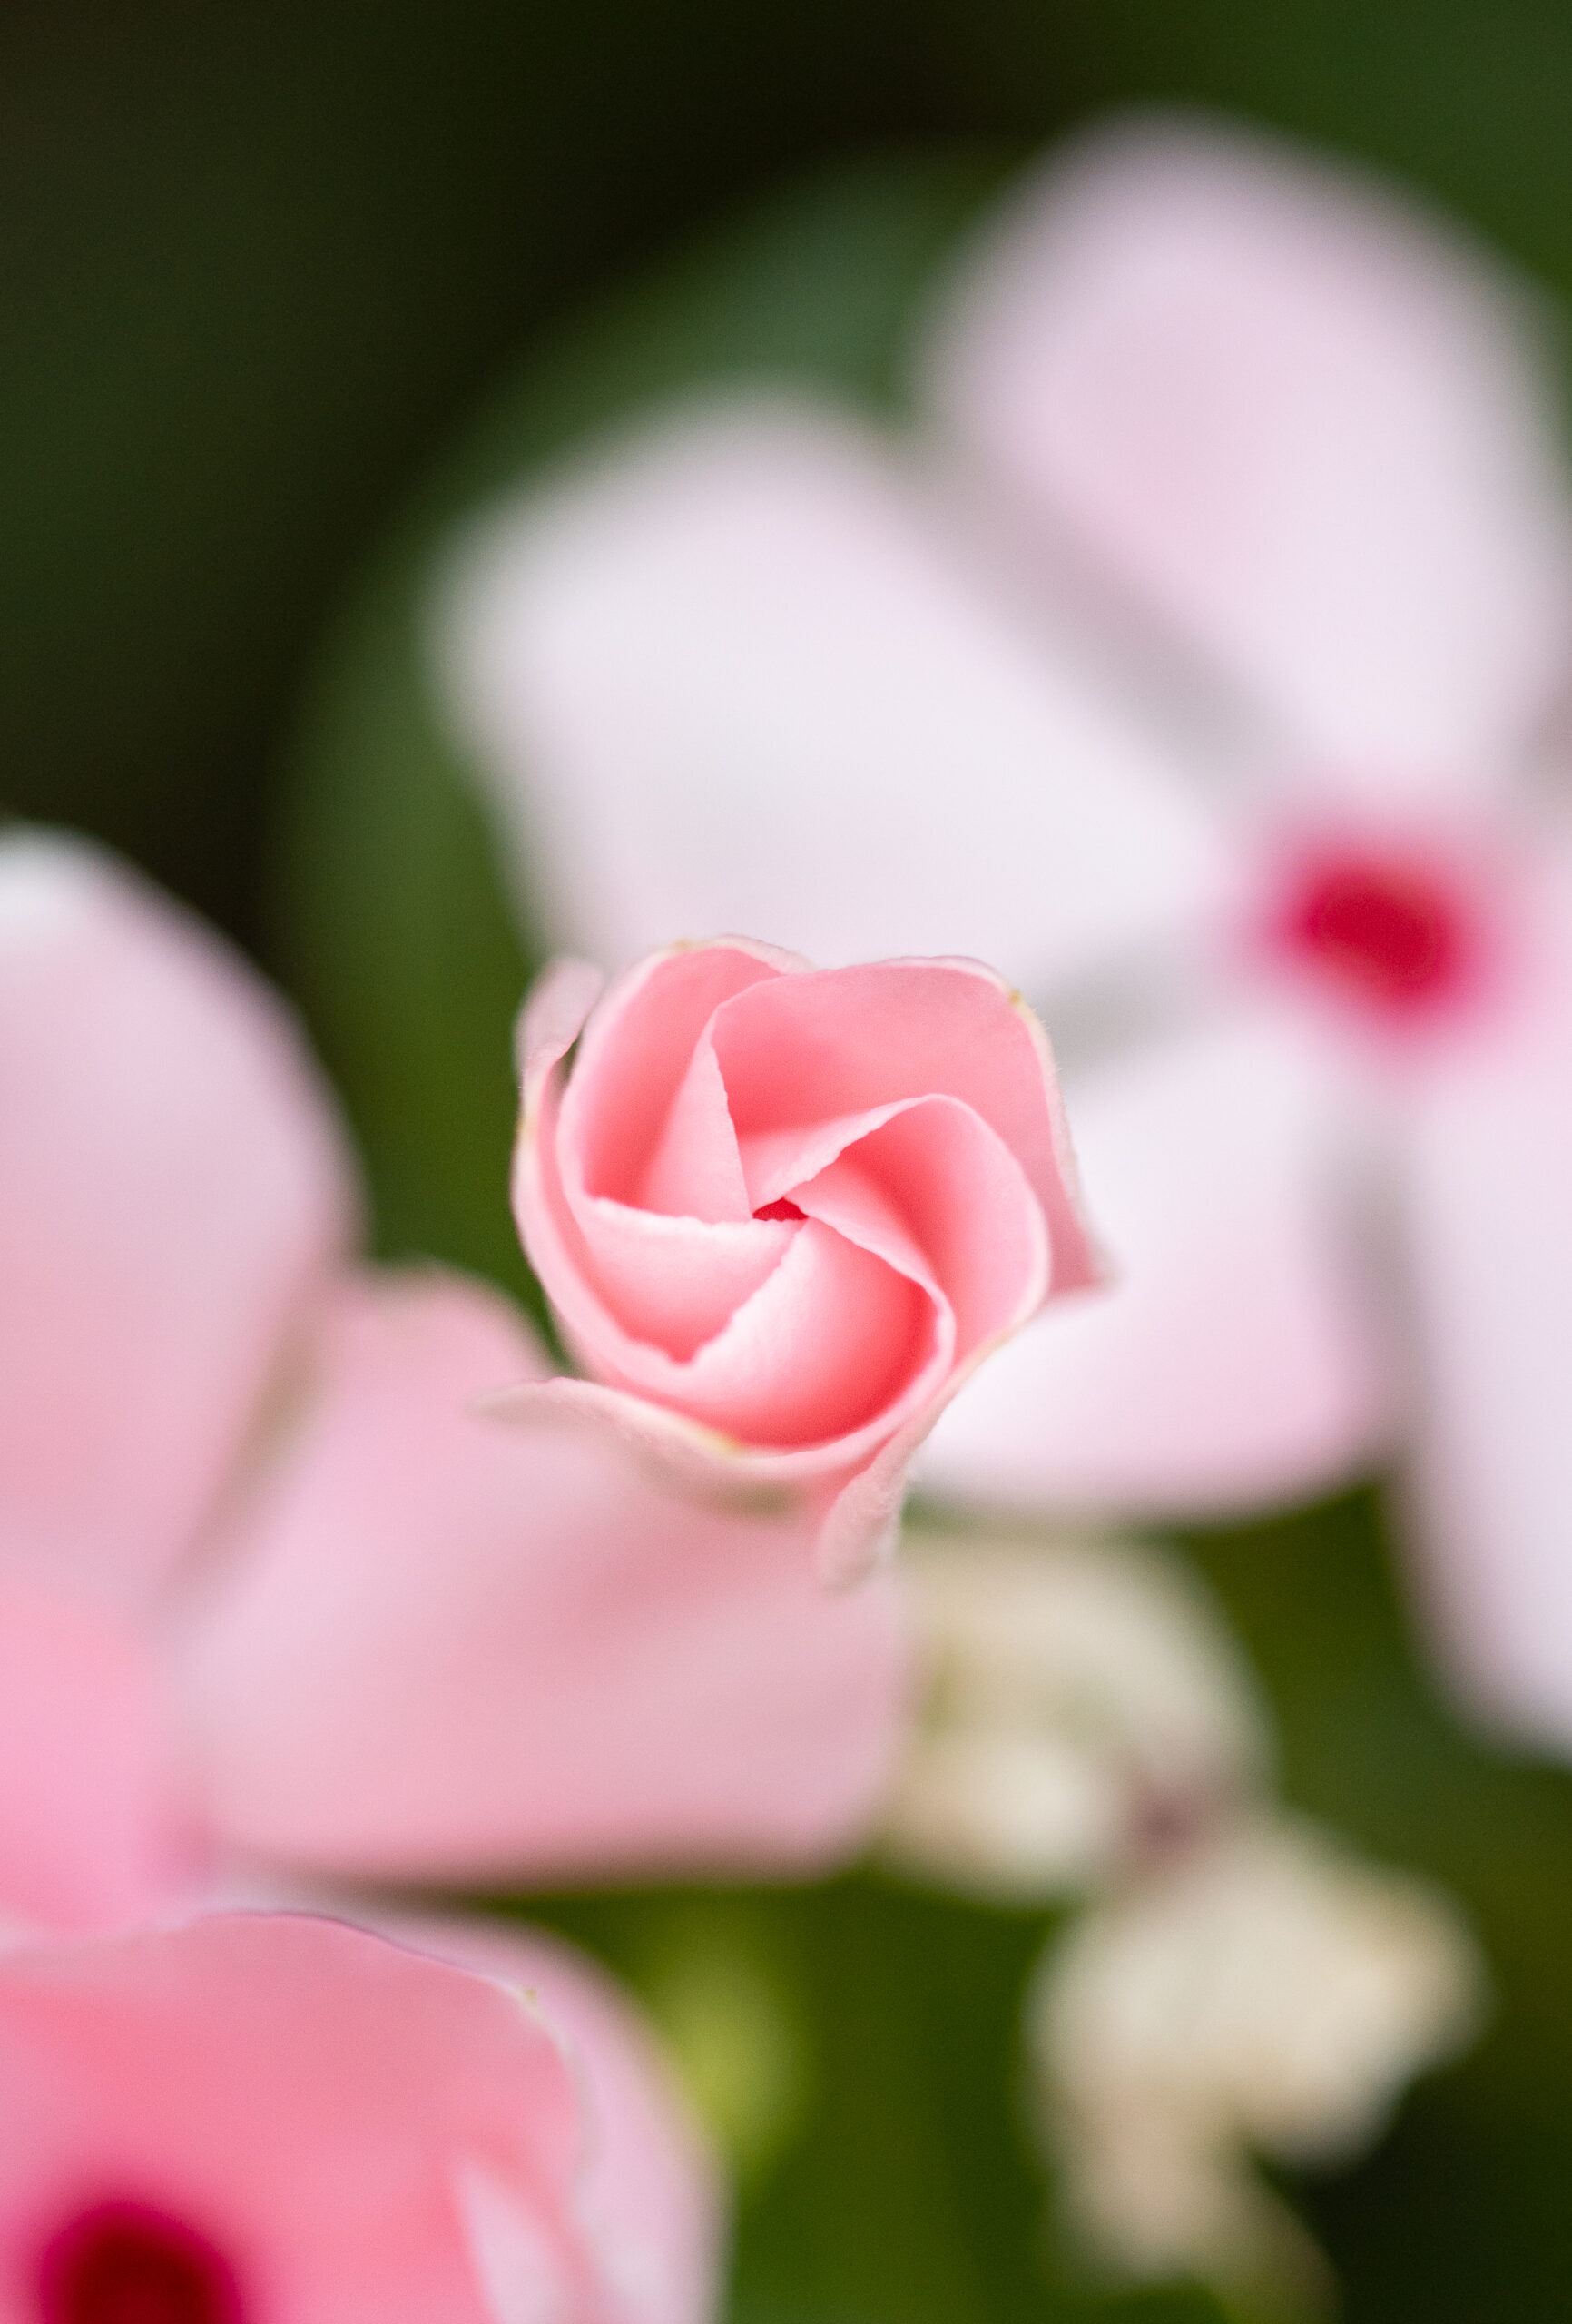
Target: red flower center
point(784, 1208)
point(124, 2263)
point(1392, 933)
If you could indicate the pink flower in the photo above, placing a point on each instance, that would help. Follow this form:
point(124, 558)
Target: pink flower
point(268, 1585)
point(265, 2119)
point(784, 1213)
point(1196, 663)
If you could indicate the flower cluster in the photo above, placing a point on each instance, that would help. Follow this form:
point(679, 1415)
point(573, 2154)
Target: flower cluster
point(1195, 658)
point(319, 1575)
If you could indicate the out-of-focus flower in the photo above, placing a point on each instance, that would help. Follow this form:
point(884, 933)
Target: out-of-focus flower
point(1198, 673)
point(1082, 1716)
point(1265, 1994)
point(268, 1584)
point(784, 1213)
point(1232, 1982)
point(261, 2117)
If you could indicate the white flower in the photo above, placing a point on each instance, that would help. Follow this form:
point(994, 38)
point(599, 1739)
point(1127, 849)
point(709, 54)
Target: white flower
point(1194, 661)
point(1082, 1715)
point(1269, 1995)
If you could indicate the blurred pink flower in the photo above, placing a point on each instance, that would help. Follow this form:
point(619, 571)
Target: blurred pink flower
point(268, 1584)
point(783, 1213)
point(1200, 672)
point(266, 2119)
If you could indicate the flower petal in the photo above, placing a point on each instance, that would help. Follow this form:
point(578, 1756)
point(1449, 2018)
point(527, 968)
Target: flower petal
point(172, 1187)
point(88, 1795)
point(648, 2197)
point(371, 2078)
point(1303, 423)
point(449, 1648)
point(737, 675)
point(813, 1050)
point(1490, 1229)
point(1232, 1361)
point(938, 1194)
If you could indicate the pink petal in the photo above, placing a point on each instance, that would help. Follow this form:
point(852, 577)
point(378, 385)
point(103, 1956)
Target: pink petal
point(951, 1200)
point(648, 2197)
point(622, 1276)
point(1491, 1226)
point(637, 1056)
point(829, 1345)
point(1232, 1360)
point(449, 1648)
point(850, 1492)
point(807, 1049)
point(312, 2102)
point(674, 1282)
point(172, 1187)
point(1301, 421)
point(88, 1795)
point(742, 673)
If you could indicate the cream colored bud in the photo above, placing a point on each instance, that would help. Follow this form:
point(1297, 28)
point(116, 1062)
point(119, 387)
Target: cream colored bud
point(1082, 1707)
point(1269, 1994)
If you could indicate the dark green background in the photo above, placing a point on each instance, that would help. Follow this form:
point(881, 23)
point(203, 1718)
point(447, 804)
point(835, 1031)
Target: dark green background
point(256, 263)
point(255, 254)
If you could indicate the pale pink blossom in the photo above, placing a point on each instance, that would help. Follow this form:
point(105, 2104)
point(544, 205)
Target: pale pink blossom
point(269, 2119)
point(1196, 659)
point(783, 1213)
point(270, 1585)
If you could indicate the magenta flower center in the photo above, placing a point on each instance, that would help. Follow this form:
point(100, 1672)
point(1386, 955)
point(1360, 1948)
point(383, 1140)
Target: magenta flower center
point(124, 2263)
point(1391, 933)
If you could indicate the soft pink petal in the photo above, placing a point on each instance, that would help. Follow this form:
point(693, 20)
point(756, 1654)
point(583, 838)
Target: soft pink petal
point(934, 1189)
point(635, 1057)
point(674, 1282)
point(553, 1016)
point(1232, 1360)
point(827, 1345)
point(1308, 426)
point(447, 1646)
point(743, 674)
point(617, 1274)
point(313, 2101)
point(850, 1492)
point(172, 1187)
point(804, 1051)
point(648, 2198)
point(1490, 1229)
point(821, 1349)
point(89, 1802)
point(694, 1169)
point(780, 1336)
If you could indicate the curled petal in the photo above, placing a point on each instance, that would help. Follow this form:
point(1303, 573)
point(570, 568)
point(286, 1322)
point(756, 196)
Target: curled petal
point(794, 1212)
point(800, 1050)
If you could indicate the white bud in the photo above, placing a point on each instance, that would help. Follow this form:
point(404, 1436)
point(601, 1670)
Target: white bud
point(1271, 1993)
point(1081, 1710)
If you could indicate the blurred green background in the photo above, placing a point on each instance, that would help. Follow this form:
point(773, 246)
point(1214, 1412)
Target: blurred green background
point(258, 263)
point(255, 255)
